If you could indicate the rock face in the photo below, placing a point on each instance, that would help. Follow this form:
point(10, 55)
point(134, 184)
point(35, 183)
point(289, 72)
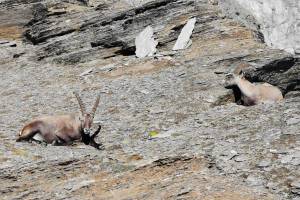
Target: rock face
point(102, 33)
point(277, 20)
point(169, 127)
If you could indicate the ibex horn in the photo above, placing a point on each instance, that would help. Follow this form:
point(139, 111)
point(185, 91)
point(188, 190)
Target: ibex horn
point(81, 105)
point(95, 106)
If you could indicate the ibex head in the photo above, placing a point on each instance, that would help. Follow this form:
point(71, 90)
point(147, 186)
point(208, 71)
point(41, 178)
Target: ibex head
point(231, 78)
point(87, 118)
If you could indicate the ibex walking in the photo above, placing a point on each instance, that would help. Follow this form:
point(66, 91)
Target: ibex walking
point(63, 129)
point(253, 94)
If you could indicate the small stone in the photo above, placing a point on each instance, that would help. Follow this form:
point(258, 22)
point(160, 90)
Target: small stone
point(264, 163)
point(105, 160)
point(214, 2)
point(295, 186)
point(233, 152)
point(108, 67)
point(273, 151)
point(296, 161)
point(144, 91)
point(254, 181)
point(272, 185)
point(286, 159)
point(293, 121)
point(82, 184)
point(87, 72)
point(241, 158)
point(296, 154)
point(230, 140)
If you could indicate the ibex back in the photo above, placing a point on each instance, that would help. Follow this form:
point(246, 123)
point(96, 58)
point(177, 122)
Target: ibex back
point(63, 129)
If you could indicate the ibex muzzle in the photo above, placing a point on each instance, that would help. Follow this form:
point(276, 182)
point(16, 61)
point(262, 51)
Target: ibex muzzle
point(63, 129)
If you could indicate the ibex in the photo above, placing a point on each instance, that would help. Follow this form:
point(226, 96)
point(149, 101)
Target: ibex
point(63, 129)
point(253, 94)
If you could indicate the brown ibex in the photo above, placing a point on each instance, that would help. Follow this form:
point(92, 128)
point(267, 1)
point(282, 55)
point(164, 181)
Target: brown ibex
point(63, 129)
point(253, 94)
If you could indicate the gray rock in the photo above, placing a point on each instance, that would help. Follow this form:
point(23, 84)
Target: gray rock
point(286, 159)
point(82, 184)
point(87, 72)
point(264, 163)
point(295, 185)
point(241, 158)
point(296, 161)
point(253, 180)
point(292, 121)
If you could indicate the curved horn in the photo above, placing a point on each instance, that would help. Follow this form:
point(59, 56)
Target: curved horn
point(95, 106)
point(81, 105)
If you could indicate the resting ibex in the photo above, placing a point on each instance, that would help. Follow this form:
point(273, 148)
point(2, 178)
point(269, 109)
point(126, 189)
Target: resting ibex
point(63, 129)
point(253, 94)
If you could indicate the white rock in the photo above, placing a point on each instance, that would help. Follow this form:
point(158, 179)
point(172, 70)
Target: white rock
point(145, 43)
point(264, 163)
point(296, 161)
point(293, 121)
point(241, 158)
point(82, 184)
point(254, 181)
point(296, 184)
point(87, 72)
point(184, 40)
point(278, 19)
point(286, 159)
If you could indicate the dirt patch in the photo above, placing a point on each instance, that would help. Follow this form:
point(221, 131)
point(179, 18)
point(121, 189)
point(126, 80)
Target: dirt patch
point(139, 68)
point(67, 7)
point(11, 32)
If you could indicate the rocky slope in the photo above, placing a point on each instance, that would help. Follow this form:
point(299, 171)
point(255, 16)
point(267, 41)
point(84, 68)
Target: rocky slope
point(205, 145)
